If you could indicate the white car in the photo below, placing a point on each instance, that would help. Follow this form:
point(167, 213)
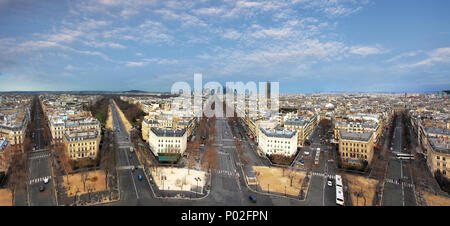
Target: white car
point(306, 153)
point(330, 183)
point(46, 180)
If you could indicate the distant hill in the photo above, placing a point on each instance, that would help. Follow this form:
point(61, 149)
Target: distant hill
point(135, 91)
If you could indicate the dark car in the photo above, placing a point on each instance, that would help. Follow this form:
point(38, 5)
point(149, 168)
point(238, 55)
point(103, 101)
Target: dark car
point(41, 188)
point(252, 198)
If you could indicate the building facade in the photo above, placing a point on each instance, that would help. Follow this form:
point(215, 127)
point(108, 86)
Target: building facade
point(356, 147)
point(280, 142)
point(81, 144)
point(304, 126)
point(167, 143)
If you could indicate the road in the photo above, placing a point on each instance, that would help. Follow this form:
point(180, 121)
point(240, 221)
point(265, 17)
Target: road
point(398, 186)
point(39, 167)
point(319, 192)
point(131, 188)
point(227, 187)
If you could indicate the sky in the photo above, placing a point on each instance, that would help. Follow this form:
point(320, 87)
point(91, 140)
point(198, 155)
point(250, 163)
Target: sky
point(306, 45)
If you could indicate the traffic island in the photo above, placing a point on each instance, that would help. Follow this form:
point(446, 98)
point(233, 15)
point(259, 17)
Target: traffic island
point(171, 182)
point(279, 180)
point(86, 188)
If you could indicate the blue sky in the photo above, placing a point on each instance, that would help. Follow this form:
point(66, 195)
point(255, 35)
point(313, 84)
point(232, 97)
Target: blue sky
point(306, 45)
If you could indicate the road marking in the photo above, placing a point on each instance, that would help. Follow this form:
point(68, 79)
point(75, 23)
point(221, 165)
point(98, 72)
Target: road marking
point(37, 180)
point(404, 183)
point(223, 153)
point(129, 167)
point(40, 156)
point(319, 174)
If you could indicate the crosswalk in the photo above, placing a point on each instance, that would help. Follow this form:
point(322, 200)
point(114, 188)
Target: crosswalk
point(43, 155)
point(319, 174)
point(225, 172)
point(223, 153)
point(392, 181)
point(37, 180)
point(128, 167)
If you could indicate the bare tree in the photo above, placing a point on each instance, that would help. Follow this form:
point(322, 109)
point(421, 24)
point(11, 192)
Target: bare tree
point(64, 160)
point(84, 177)
point(209, 160)
point(107, 157)
point(291, 175)
point(18, 170)
point(192, 151)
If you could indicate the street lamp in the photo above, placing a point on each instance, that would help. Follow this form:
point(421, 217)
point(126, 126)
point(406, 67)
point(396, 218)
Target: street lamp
point(163, 178)
point(197, 179)
point(75, 197)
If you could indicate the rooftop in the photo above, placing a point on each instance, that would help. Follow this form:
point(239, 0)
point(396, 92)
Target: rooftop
point(365, 136)
point(278, 133)
point(168, 132)
point(440, 145)
point(81, 135)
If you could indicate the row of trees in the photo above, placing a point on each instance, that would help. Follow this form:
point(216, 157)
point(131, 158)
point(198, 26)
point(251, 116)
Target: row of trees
point(132, 112)
point(100, 110)
point(209, 159)
point(18, 168)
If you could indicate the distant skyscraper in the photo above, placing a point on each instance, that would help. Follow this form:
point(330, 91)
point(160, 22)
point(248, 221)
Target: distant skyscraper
point(268, 90)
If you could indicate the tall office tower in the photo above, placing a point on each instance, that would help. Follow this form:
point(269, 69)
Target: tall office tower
point(268, 90)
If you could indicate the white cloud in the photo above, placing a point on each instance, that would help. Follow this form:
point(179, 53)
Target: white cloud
point(231, 34)
point(367, 50)
point(209, 11)
point(436, 56)
point(273, 32)
point(401, 56)
point(69, 67)
point(134, 64)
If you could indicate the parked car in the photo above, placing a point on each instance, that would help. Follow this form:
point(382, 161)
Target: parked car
point(252, 198)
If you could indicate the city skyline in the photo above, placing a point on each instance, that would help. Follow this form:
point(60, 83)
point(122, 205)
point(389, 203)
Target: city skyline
point(308, 46)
